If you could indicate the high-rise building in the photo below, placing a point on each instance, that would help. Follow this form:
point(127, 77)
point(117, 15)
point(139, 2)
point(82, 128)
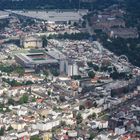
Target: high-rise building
point(63, 66)
point(72, 69)
point(75, 69)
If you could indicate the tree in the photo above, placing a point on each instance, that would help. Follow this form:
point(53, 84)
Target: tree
point(24, 99)
point(55, 72)
point(5, 68)
point(49, 92)
point(81, 107)
point(69, 22)
point(79, 118)
point(29, 83)
point(92, 136)
point(35, 138)
point(84, 24)
point(93, 115)
point(62, 123)
point(2, 131)
point(10, 128)
point(75, 24)
point(46, 73)
point(33, 99)
point(55, 4)
point(72, 36)
point(11, 101)
point(94, 66)
point(20, 71)
point(55, 108)
point(114, 75)
point(62, 98)
point(45, 41)
point(76, 77)
point(91, 74)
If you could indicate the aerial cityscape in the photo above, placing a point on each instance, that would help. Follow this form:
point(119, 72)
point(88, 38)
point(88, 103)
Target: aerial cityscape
point(69, 69)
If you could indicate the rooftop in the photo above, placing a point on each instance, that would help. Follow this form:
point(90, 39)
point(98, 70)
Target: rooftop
point(54, 15)
point(36, 57)
point(4, 14)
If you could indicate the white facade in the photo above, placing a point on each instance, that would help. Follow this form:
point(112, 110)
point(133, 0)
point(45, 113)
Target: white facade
point(36, 132)
point(72, 133)
point(138, 128)
point(106, 106)
point(72, 69)
point(69, 121)
point(103, 137)
point(75, 69)
point(100, 124)
point(31, 42)
point(18, 126)
point(62, 66)
point(21, 112)
point(46, 126)
point(119, 131)
point(9, 137)
point(23, 134)
point(100, 101)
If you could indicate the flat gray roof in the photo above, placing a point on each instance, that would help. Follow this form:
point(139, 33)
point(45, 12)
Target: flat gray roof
point(4, 14)
point(53, 15)
point(56, 54)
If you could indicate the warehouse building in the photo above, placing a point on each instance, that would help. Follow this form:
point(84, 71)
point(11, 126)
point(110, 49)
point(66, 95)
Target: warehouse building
point(54, 16)
point(4, 15)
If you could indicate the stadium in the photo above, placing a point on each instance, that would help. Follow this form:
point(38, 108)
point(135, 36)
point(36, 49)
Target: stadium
point(34, 58)
point(40, 58)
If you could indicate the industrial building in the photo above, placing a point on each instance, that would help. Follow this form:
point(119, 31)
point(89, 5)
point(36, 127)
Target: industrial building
point(32, 41)
point(55, 16)
point(4, 15)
